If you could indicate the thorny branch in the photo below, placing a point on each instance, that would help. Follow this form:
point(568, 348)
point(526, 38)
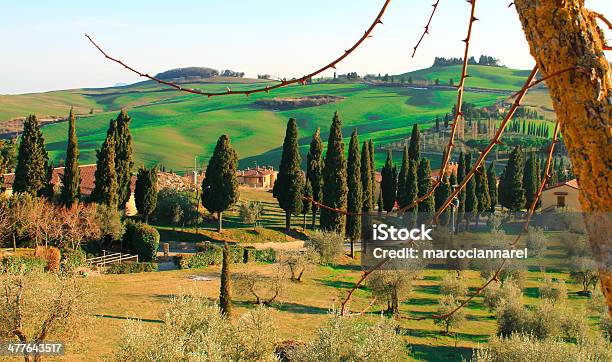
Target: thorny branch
point(426, 31)
point(445, 160)
point(283, 83)
point(458, 113)
point(530, 213)
point(495, 140)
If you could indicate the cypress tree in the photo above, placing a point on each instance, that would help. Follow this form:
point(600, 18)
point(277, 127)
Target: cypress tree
point(414, 150)
point(31, 171)
point(530, 180)
point(289, 184)
point(471, 202)
point(402, 191)
point(145, 192)
point(355, 201)
point(513, 193)
point(373, 170)
point(225, 293)
point(105, 187)
point(220, 186)
point(334, 180)
point(124, 160)
point(379, 203)
point(412, 188)
point(387, 184)
point(441, 194)
point(366, 178)
point(492, 180)
point(314, 170)
point(424, 180)
point(482, 192)
point(71, 179)
point(307, 206)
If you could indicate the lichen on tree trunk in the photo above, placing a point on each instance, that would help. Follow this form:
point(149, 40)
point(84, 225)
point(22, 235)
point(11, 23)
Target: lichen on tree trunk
point(563, 34)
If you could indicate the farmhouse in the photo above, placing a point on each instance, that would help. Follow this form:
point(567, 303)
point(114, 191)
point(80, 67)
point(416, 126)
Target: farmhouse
point(88, 179)
point(259, 177)
point(563, 195)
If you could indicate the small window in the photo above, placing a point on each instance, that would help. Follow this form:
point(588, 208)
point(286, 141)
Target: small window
point(560, 200)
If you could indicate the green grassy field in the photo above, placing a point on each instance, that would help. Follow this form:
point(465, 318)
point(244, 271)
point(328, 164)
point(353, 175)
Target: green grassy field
point(173, 128)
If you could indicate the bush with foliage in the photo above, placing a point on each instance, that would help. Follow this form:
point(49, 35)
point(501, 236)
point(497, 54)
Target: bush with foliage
point(553, 290)
point(496, 294)
point(194, 329)
point(525, 347)
point(536, 241)
point(73, 259)
point(142, 239)
point(298, 262)
point(446, 305)
point(250, 212)
point(51, 256)
point(175, 208)
point(21, 263)
point(328, 244)
point(131, 267)
point(393, 284)
point(265, 289)
point(343, 338)
point(583, 271)
point(453, 285)
point(109, 220)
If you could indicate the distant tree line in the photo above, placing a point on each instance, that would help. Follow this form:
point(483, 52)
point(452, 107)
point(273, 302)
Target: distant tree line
point(201, 72)
point(483, 60)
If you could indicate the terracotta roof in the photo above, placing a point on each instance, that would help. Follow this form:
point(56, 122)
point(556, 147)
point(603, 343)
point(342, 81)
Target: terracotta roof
point(257, 172)
point(571, 183)
point(87, 173)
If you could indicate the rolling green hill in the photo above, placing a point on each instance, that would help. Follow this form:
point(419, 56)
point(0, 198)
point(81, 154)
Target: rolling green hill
point(173, 128)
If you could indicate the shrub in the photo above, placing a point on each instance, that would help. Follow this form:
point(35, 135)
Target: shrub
point(584, 272)
point(536, 241)
point(194, 329)
point(511, 318)
point(73, 259)
point(597, 303)
point(131, 267)
point(496, 294)
point(142, 239)
point(453, 285)
point(574, 326)
point(329, 245)
point(576, 245)
point(525, 347)
point(297, 262)
point(446, 305)
point(544, 321)
point(251, 212)
point(343, 338)
point(264, 288)
point(50, 255)
point(109, 221)
point(24, 263)
point(175, 208)
point(265, 255)
point(553, 290)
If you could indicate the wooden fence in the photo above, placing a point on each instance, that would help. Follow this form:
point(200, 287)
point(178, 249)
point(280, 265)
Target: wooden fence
point(111, 258)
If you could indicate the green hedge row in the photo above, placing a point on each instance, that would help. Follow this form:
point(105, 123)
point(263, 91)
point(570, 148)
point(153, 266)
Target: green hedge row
point(209, 254)
point(131, 267)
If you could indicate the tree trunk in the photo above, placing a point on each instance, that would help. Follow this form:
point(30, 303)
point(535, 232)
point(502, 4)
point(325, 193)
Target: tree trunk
point(304, 222)
point(314, 219)
point(220, 216)
point(225, 297)
point(287, 221)
point(352, 249)
point(561, 35)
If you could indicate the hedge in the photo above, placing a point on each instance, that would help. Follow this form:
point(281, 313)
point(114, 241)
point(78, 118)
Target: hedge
point(143, 239)
point(131, 267)
point(209, 254)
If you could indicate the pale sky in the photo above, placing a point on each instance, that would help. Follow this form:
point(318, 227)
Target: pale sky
point(44, 48)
